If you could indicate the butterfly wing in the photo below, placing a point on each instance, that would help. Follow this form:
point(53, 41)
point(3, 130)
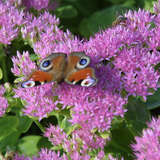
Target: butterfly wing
point(51, 68)
point(78, 72)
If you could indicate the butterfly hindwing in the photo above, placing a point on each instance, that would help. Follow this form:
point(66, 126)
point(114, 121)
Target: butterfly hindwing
point(78, 72)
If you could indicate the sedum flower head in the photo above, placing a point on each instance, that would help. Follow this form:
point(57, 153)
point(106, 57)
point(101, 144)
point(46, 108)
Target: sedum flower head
point(55, 135)
point(35, 28)
point(79, 145)
point(39, 100)
point(10, 20)
point(21, 157)
point(156, 7)
point(36, 4)
point(56, 41)
point(46, 154)
point(93, 107)
point(148, 145)
point(22, 64)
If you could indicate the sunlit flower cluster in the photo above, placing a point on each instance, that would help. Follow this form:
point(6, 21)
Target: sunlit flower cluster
point(37, 4)
point(10, 21)
point(77, 146)
point(22, 64)
point(44, 154)
point(39, 101)
point(132, 49)
point(93, 107)
point(148, 145)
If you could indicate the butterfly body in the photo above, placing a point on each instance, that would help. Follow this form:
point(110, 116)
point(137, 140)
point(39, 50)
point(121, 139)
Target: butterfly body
point(73, 69)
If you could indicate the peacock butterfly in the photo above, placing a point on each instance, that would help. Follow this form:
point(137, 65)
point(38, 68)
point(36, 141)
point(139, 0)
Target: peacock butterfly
point(72, 69)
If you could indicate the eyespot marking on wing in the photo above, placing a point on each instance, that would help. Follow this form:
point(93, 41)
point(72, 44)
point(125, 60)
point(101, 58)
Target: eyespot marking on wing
point(89, 82)
point(80, 75)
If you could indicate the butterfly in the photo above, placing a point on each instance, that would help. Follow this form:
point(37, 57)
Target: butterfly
point(72, 69)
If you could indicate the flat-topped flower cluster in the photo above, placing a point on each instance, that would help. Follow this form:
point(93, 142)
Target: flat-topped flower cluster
point(148, 145)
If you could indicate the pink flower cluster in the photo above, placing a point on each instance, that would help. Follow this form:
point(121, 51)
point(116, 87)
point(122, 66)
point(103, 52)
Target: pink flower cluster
point(93, 107)
point(132, 49)
point(37, 4)
point(21, 157)
point(39, 100)
point(77, 146)
point(3, 102)
point(44, 154)
point(10, 21)
point(41, 32)
point(148, 145)
point(22, 64)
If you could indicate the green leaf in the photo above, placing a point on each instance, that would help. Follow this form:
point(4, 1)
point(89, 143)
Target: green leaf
point(117, 1)
point(15, 105)
point(140, 3)
point(29, 145)
point(119, 145)
point(129, 3)
point(70, 129)
point(152, 25)
point(1, 74)
point(8, 125)
point(99, 20)
point(66, 125)
point(153, 101)
point(24, 124)
point(44, 143)
point(137, 115)
point(85, 8)
point(9, 142)
point(67, 11)
point(148, 5)
point(3, 63)
point(19, 79)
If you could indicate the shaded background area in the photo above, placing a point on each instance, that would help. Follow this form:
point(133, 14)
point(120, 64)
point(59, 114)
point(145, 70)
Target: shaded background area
point(85, 17)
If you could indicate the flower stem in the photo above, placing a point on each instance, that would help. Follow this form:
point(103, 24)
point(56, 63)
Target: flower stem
point(39, 125)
